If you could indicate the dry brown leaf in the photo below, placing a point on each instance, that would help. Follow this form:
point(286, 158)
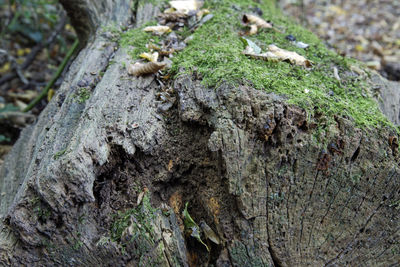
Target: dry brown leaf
point(275, 53)
point(186, 6)
point(253, 29)
point(26, 96)
point(158, 30)
point(170, 165)
point(139, 69)
point(209, 233)
point(173, 16)
point(248, 18)
point(152, 57)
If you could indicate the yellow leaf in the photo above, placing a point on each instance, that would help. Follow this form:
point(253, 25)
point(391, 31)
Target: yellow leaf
point(50, 94)
point(5, 68)
point(159, 30)
point(20, 52)
point(150, 57)
point(359, 48)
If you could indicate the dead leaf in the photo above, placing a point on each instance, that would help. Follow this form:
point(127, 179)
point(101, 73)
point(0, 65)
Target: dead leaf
point(176, 202)
point(259, 22)
point(336, 74)
point(152, 57)
point(275, 53)
point(26, 96)
point(201, 13)
point(209, 233)
point(170, 165)
point(139, 69)
point(158, 30)
point(173, 16)
point(50, 94)
point(140, 198)
point(186, 6)
point(253, 29)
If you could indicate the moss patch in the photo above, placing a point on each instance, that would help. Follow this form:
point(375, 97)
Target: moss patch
point(137, 39)
point(215, 52)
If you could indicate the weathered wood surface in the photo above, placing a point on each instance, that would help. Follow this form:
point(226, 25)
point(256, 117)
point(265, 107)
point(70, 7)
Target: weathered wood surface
point(245, 161)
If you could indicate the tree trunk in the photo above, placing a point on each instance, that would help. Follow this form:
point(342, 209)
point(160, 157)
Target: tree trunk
point(105, 181)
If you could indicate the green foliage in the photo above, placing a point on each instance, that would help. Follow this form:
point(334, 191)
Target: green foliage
point(191, 226)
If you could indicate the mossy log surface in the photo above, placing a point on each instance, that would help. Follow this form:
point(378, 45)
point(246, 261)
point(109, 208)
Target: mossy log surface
point(103, 176)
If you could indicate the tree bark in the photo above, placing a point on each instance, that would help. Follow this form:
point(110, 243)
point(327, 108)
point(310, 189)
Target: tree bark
point(244, 160)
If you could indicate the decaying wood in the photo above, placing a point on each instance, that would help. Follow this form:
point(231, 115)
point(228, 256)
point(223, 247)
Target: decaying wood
point(244, 160)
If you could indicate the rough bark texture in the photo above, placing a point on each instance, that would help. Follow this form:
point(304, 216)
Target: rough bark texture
point(245, 161)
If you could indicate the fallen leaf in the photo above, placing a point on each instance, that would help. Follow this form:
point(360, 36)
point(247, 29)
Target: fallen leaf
point(152, 57)
point(302, 45)
point(275, 53)
point(158, 30)
point(253, 29)
point(140, 198)
point(186, 6)
point(50, 94)
point(251, 47)
point(5, 68)
point(26, 96)
point(170, 165)
point(248, 18)
point(173, 16)
point(201, 13)
point(139, 69)
point(209, 233)
point(336, 74)
point(191, 226)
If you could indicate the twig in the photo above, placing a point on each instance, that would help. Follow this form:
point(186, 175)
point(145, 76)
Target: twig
point(60, 69)
point(32, 55)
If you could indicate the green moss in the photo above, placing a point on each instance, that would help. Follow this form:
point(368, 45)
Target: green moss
point(136, 40)
point(143, 215)
point(82, 95)
point(215, 52)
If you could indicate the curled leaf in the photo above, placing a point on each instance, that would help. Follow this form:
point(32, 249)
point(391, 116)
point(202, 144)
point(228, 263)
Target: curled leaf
point(275, 53)
point(259, 22)
point(253, 29)
point(186, 6)
point(159, 29)
point(152, 57)
point(209, 233)
point(191, 226)
point(139, 69)
point(251, 47)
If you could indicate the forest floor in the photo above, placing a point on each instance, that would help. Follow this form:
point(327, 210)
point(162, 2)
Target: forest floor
point(368, 30)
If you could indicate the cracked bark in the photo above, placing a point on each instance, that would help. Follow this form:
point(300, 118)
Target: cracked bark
point(280, 201)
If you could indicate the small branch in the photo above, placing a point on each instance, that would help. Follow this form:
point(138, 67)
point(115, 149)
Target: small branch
point(60, 69)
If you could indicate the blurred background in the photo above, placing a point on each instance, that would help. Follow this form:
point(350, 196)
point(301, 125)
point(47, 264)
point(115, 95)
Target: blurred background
point(35, 38)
